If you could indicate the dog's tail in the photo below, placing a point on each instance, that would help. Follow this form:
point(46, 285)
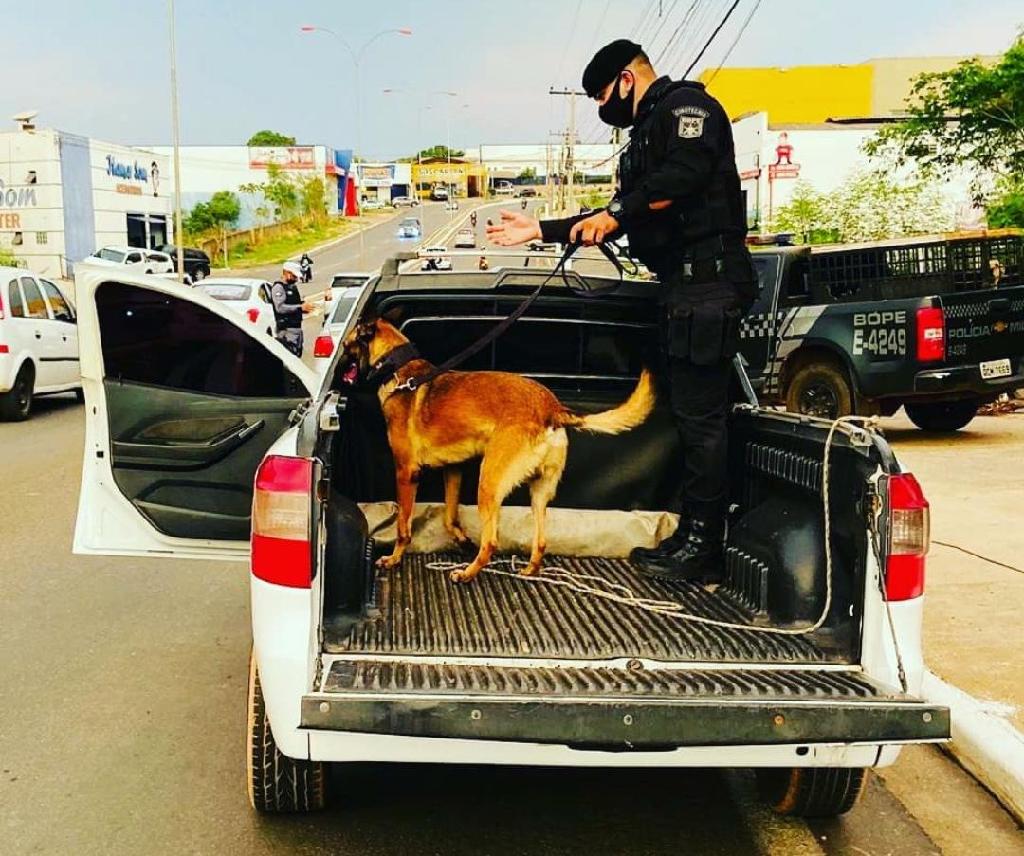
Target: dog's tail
point(632, 412)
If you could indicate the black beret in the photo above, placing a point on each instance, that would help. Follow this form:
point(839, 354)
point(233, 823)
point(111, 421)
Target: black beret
point(607, 63)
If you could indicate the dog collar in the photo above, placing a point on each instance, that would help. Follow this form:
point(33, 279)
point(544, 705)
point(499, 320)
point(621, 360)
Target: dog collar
point(393, 361)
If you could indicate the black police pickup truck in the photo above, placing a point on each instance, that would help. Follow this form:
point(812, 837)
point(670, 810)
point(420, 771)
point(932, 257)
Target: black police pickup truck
point(933, 324)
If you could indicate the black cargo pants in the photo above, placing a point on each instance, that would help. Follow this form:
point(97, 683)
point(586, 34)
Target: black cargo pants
point(700, 338)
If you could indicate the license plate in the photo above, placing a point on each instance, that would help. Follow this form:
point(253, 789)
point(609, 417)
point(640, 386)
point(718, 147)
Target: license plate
point(995, 368)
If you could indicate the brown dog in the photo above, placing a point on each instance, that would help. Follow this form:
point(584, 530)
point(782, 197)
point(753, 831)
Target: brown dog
point(515, 424)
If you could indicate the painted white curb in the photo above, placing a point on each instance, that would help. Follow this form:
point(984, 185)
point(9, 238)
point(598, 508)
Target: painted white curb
point(984, 741)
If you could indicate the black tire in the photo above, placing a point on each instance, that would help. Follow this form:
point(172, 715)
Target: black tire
point(811, 791)
point(277, 783)
point(200, 274)
point(941, 416)
point(820, 389)
point(16, 403)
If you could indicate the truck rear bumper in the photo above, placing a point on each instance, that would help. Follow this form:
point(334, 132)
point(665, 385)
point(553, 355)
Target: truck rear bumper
point(965, 382)
point(613, 709)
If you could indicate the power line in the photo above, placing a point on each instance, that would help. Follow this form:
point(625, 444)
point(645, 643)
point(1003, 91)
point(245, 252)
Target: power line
point(675, 33)
point(711, 38)
point(725, 58)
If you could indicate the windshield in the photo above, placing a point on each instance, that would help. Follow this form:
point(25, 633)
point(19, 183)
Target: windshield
point(410, 221)
point(227, 292)
point(110, 255)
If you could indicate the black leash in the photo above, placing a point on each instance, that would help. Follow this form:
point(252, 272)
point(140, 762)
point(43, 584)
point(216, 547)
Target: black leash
point(414, 383)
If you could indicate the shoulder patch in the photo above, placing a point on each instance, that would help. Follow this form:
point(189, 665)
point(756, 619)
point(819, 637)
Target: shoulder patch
point(691, 127)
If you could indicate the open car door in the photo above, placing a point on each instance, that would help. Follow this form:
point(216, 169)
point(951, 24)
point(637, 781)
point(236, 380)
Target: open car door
point(183, 399)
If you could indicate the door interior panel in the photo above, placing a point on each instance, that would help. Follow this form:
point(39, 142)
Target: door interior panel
point(191, 477)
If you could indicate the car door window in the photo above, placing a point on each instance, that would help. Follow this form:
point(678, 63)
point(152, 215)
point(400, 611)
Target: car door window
point(168, 342)
point(15, 300)
point(35, 306)
point(59, 307)
point(133, 258)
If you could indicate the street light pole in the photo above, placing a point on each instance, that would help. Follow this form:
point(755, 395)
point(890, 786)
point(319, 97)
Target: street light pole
point(357, 58)
point(176, 142)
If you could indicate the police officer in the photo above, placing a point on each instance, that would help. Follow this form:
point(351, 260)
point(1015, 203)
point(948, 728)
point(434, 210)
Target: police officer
point(680, 205)
point(289, 307)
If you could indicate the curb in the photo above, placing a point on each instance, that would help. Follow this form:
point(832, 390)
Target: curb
point(988, 746)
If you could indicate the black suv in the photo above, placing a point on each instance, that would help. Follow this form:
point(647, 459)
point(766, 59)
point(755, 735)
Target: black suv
point(197, 263)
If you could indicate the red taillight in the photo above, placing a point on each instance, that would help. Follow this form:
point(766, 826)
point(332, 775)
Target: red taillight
point(931, 334)
point(908, 538)
point(3, 348)
point(280, 521)
point(254, 314)
point(323, 346)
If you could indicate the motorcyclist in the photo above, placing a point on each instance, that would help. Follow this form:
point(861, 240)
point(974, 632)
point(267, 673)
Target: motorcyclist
point(472, 219)
point(523, 204)
point(306, 264)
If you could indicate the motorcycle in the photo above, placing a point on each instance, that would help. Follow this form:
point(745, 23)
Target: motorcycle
point(306, 263)
point(472, 219)
point(523, 204)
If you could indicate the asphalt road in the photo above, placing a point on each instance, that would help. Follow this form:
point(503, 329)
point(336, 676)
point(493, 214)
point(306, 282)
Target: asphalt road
point(122, 720)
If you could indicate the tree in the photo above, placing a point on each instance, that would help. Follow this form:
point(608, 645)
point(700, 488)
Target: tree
point(438, 152)
point(804, 214)
point(1006, 209)
point(279, 190)
point(528, 174)
point(971, 116)
point(221, 210)
point(270, 138)
point(868, 206)
point(313, 193)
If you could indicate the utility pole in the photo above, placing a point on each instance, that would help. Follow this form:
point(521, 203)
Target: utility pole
point(176, 141)
point(570, 142)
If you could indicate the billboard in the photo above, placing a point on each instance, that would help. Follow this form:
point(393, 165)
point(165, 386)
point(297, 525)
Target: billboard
point(285, 157)
point(376, 174)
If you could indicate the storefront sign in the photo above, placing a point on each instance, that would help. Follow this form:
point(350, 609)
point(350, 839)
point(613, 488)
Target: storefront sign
point(10, 221)
point(285, 157)
point(17, 197)
point(748, 174)
point(132, 189)
point(131, 172)
point(376, 175)
point(783, 166)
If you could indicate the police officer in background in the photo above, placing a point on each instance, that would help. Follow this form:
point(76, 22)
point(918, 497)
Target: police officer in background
point(680, 206)
point(289, 307)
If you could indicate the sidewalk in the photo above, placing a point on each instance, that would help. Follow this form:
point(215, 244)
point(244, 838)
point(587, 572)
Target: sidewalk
point(974, 481)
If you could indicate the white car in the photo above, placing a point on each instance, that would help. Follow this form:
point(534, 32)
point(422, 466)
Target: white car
point(465, 239)
point(435, 258)
point(38, 342)
point(135, 258)
point(248, 297)
point(337, 314)
point(205, 439)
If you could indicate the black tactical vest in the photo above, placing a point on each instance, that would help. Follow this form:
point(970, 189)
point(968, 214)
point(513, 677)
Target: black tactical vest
point(289, 320)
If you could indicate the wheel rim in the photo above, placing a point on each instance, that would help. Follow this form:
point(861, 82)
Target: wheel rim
point(23, 394)
point(819, 399)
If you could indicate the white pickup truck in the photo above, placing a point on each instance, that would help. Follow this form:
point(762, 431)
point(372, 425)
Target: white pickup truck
point(207, 439)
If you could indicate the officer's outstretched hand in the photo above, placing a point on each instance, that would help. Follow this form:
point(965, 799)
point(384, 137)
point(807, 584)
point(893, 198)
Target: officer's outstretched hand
point(594, 229)
point(515, 228)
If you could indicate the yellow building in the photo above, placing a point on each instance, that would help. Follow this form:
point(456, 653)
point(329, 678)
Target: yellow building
point(465, 177)
point(811, 94)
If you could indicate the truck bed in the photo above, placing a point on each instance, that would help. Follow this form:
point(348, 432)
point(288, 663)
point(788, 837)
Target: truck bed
point(418, 612)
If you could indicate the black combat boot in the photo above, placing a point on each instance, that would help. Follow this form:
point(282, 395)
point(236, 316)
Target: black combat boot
point(699, 559)
point(674, 542)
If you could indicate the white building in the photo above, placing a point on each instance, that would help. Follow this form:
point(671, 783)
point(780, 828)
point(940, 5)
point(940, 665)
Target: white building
point(62, 196)
point(208, 169)
point(382, 182)
point(773, 158)
point(509, 161)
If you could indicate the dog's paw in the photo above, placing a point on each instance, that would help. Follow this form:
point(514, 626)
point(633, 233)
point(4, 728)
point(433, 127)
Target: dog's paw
point(385, 562)
point(463, 576)
point(530, 571)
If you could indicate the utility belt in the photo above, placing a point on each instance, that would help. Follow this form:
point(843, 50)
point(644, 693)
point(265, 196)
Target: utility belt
point(286, 322)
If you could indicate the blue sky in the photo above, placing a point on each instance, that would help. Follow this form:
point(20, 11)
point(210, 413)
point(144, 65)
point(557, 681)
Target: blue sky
point(100, 67)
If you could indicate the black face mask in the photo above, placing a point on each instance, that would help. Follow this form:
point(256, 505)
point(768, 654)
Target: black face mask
point(617, 111)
